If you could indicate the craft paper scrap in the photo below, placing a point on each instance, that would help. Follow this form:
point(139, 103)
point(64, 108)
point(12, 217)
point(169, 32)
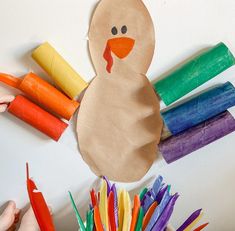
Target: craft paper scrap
point(60, 71)
point(120, 111)
point(194, 73)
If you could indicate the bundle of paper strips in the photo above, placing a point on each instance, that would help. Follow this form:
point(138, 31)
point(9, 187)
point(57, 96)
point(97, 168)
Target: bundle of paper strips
point(112, 210)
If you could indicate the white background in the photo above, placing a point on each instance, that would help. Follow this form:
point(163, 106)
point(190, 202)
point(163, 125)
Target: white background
point(204, 179)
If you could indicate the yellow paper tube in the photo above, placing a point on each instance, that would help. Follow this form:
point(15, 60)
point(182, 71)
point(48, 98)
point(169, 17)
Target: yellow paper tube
point(60, 71)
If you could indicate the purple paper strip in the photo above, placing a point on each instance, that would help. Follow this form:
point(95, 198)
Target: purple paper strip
point(163, 220)
point(108, 185)
point(197, 137)
point(190, 220)
point(147, 202)
point(158, 211)
point(114, 190)
point(157, 185)
point(161, 194)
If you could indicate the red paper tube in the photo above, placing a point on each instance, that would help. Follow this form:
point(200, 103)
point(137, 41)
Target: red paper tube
point(38, 118)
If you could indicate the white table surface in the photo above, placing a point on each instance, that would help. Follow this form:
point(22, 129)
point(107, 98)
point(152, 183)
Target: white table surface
point(204, 179)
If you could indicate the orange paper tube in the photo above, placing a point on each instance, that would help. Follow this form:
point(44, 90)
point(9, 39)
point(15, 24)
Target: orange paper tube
point(38, 118)
point(43, 93)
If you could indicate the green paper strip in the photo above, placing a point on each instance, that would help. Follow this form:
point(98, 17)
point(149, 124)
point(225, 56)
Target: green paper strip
point(89, 221)
point(194, 73)
point(142, 193)
point(80, 222)
point(140, 220)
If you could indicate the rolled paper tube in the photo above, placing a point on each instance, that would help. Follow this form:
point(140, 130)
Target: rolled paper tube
point(43, 93)
point(197, 110)
point(38, 118)
point(197, 137)
point(194, 73)
point(60, 71)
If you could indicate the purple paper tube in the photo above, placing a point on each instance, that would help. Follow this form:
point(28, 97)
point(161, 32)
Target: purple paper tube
point(197, 137)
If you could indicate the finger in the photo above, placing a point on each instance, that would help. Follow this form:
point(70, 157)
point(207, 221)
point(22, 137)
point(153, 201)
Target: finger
point(12, 228)
point(6, 98)
point(29, 222)
point(17, 215)
point(3, 107)
point(10, 209)
point(8, 216)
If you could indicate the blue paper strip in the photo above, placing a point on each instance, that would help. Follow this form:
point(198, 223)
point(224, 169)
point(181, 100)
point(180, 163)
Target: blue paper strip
point(157, 185)
point(162, 222)
point(158, 211)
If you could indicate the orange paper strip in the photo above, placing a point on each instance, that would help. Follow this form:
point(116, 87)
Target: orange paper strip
point(97, 218)
point(149, 214)
point(135, 212)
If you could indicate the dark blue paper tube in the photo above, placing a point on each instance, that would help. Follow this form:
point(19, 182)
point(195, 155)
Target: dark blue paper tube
point(200, 108)
point(197, 137)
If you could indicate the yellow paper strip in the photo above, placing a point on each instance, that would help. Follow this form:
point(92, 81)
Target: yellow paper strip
point(60, 71)
point(189, 228)
point(127, 212)
point(121, 195)
point(103, 206)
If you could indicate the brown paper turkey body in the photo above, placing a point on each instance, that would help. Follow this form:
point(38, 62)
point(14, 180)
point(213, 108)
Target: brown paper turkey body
point(119, 123)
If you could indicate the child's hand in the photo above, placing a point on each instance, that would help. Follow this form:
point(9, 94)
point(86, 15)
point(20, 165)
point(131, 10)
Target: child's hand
point(4, 101)
point(29, 222)
point(9, 217)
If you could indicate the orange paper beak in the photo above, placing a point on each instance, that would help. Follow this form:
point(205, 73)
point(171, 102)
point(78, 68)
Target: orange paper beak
point(121, 47)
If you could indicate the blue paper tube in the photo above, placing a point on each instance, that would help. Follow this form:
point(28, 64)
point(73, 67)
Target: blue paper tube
point(200, 108)
point(197, 137)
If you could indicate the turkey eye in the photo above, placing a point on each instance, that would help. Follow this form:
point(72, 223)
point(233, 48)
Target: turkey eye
point(124, 29)
point(114, 30)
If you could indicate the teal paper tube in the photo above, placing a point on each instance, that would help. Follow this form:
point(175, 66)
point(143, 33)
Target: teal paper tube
point(194, 73)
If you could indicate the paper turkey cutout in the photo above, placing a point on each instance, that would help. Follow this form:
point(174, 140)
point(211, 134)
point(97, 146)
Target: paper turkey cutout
point(119, 123)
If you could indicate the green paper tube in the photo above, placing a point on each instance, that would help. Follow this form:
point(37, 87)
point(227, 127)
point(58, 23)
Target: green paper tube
point(194, 73)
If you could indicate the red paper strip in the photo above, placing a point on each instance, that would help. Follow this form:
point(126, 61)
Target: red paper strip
point(201, 227)
point(39, 205)
point(111, 212)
